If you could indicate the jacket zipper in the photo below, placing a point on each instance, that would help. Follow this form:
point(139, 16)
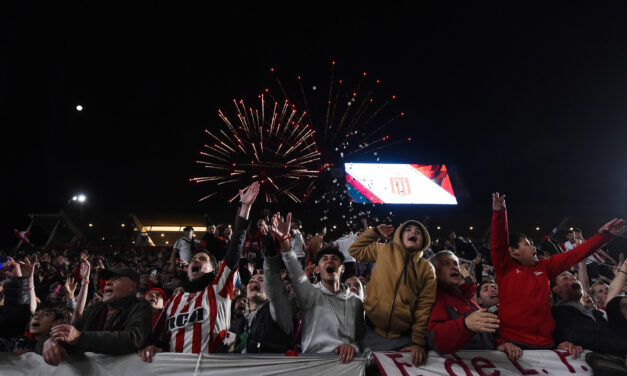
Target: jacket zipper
point(395, 292)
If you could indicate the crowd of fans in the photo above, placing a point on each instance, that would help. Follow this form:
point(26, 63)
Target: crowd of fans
point(265, 287)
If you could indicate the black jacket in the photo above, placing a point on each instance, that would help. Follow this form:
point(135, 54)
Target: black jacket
point(130, 331)
point(264, 335)
point(575, 324)
point(15, 313)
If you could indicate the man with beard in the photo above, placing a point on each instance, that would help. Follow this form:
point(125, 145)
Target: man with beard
point(195, 320)
point(456, 322)
point(488, 296)
point(264, 328)
point(332, 316)
point(157, 298)
point(582, 325)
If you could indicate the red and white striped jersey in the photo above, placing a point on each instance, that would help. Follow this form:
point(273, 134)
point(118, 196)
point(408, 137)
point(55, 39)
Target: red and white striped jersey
point(192, 321)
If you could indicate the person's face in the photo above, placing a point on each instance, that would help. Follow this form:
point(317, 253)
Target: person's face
point(42, 322)
point(199, 266)
point(155, 299)
point(568, 287)
point(211, 229)
point(228, 232)
point(570, 236)
point(577, 235)
point(587, 301)
point(330, 268)
point(452, 236)
point(489, 295)
point(240, 306)
point(143, 280)
point(447, 271)
point(354, 284)
point(118, 287)
point(526, 253)
point(189, 234)
point(412, 237)
point(254, 289)
point(600, 294)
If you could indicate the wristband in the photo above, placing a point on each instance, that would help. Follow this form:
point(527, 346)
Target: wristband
point(622, 271)
point(286, 237)
point(84, 283)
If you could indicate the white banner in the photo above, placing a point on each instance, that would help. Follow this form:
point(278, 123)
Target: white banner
point(175, 364)
point(483, 363)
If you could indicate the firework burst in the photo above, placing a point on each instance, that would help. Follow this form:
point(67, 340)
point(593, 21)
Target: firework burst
point(299, 154)
point(271, 144)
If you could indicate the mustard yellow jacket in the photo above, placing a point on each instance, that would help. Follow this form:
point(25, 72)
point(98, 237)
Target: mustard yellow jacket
point(402, 285)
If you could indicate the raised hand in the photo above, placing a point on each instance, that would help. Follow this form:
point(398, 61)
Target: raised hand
point(386, 231)
point(70, 286)
point(248, 195)
point(614, 227)
point(498, 202)
point(85, 268)
point(280, 227)
point(12, 269)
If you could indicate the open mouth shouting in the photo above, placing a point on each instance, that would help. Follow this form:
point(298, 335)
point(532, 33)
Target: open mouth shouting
point(195, 268)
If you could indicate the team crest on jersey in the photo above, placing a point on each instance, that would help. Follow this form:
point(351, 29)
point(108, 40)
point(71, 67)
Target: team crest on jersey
point(182, 319)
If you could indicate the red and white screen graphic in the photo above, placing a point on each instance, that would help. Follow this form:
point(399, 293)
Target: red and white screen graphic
point(390, 183)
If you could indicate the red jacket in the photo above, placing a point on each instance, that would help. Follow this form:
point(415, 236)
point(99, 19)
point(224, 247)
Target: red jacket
point(446, 330)
point(524, 292)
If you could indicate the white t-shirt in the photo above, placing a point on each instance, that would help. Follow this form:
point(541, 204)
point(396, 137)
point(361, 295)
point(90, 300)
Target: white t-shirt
point(184, 245)
point(343, 244)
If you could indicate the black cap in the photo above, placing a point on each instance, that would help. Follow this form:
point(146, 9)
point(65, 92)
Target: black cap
point(106, 274)
point(188, 228)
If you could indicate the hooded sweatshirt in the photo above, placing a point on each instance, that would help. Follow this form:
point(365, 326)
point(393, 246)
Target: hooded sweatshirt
point(402, 285)
point(329, 320)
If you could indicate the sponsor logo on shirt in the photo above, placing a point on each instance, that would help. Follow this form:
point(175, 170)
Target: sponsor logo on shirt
point(182, 319)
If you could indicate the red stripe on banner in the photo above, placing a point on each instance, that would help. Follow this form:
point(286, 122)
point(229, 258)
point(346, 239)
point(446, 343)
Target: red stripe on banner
point(180, 333)
point(211, 296)
point(363, 190)
point(197, 334)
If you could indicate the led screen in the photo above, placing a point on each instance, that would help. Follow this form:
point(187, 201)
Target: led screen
point(391, 183)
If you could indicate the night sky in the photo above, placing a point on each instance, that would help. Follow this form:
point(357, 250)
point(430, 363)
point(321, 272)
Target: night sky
point(530, 100)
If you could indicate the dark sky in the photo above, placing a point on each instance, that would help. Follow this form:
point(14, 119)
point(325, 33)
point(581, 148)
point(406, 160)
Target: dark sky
point(527, 99)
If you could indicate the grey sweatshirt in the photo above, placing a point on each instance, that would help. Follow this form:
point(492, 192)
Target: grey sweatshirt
point(328, 320)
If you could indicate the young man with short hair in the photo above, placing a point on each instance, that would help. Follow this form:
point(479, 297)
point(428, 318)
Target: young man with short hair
point(332, 316)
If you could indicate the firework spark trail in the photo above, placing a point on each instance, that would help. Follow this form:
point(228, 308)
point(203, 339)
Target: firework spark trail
point(326, 124)
point(254, 136)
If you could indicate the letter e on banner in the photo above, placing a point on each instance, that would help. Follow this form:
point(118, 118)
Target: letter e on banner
point(448, 365)
point(481, 363)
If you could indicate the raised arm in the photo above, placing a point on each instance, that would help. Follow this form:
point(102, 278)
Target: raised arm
point(365, 247)
point(280, 308)
point(233, 253)
point(619, 281)
point(303, 289)
point(85, 269)
point(558, 263)
point(582, 276)
point(499, 236)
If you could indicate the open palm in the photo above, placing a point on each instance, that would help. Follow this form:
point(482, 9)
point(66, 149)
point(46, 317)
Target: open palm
point(279, 226)
point(249, 194)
